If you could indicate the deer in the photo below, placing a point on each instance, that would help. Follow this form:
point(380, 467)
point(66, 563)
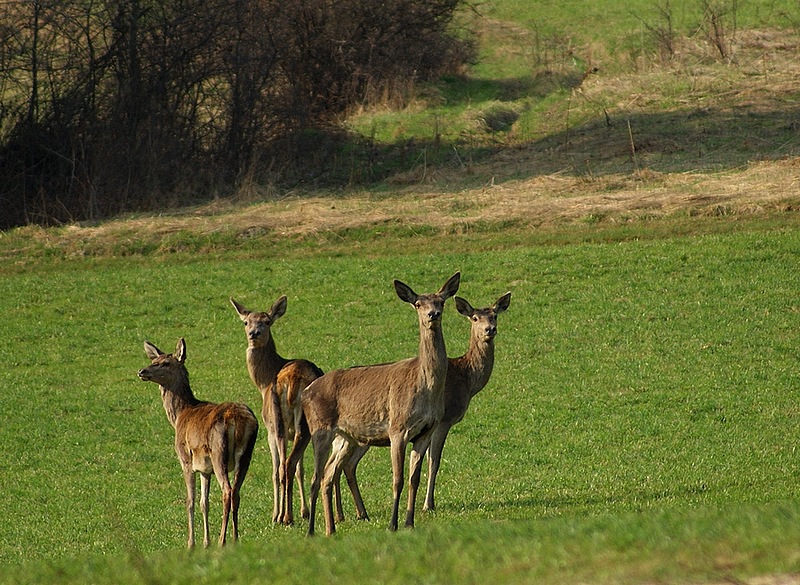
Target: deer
point(210, 439)
point(390, 404)
point(281, 382)
point(466, 376)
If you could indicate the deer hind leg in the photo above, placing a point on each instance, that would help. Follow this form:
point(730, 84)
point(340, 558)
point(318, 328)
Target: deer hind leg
point(239, 473)
point(322, 441)
point(434, 461)
point(337, 488)
point(341, 452)
point(299, 477)
point(227, 500)
point(189, 479)
point(272, 439)
point(205, 483)
point(350, 473)
point(414, 473)
point(301, 439)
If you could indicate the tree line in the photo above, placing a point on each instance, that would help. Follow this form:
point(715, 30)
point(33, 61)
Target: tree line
point(109, 106)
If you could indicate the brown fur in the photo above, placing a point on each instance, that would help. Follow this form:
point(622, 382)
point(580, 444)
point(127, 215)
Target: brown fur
point(281, 383)
point(209, 438)
point(393, 404)
point(466, 376)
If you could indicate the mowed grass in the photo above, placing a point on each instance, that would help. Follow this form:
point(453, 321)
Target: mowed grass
point(640, 424)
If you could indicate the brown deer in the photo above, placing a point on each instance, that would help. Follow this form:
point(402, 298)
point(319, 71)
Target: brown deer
point(466, 376)
point(281, 382)
point(209, 438)
point(387, 404)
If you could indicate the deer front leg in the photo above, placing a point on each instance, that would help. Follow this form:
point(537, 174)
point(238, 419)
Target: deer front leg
point(415, 472)
point(398, 450)
point(434, 461)
point(189, 479)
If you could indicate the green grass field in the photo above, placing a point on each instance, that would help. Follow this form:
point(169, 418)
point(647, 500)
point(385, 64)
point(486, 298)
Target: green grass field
point(643, 409)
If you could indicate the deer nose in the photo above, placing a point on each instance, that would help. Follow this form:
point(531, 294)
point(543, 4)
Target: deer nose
point(254, 334)
point(434, 315)
point(491, 331)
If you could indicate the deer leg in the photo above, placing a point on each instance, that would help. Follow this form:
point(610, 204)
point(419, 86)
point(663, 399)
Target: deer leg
point(276, 472)
point(340, 452)
point(322, 445)
point(299, 476)
point(398, 450)
point(337, 488)
point(279, 457)
point(337, 495)
point(189, 479)
point(239, 473)
point(350, 473)
point(434, 461)
point(301, 439)
point(414, 474)
point(205, 480)
point(227, 496)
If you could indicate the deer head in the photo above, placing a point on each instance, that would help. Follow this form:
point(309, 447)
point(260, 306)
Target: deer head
point(484, 321)
point(256, 324)
point(429, 306)
point(166, 368)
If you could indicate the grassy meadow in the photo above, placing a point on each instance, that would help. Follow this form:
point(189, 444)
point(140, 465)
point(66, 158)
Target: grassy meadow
point(640, 425)
point(643, 408)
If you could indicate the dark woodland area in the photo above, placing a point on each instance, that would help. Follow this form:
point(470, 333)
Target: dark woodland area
point(108, 106)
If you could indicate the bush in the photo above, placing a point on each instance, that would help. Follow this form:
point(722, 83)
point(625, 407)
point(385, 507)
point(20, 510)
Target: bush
point(138, 104)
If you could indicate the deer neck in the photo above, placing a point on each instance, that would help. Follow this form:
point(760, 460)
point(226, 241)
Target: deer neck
point(264, 363)
point(478, 362)
point(432, 358)
point(178, 397)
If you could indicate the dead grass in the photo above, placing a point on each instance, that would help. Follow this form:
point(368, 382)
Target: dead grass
point(694, 137)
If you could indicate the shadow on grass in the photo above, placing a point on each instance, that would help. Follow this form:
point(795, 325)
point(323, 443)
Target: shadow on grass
point(701, 139)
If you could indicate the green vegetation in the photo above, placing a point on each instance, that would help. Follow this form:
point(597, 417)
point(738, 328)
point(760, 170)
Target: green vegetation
point(641, 410)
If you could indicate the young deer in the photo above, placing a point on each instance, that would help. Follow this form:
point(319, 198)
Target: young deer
point(387, 404)
point(281, 383)
point(466, 376)
point(209, 438)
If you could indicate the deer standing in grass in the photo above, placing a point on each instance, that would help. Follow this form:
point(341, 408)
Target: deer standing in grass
point(281, 382)
point(209, 438)
point(466, 376)
point(388, 404)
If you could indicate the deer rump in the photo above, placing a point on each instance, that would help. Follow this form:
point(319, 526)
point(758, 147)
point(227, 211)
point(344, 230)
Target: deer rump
point(211, 428)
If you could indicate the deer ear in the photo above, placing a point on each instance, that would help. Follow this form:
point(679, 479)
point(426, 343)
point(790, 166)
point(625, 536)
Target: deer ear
point(243, 313)
point(180, 350)
point(451, 286)
point(279, 308)
point(502, 303)
point(151, 350)
point(464, 307)
point(405, 293)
